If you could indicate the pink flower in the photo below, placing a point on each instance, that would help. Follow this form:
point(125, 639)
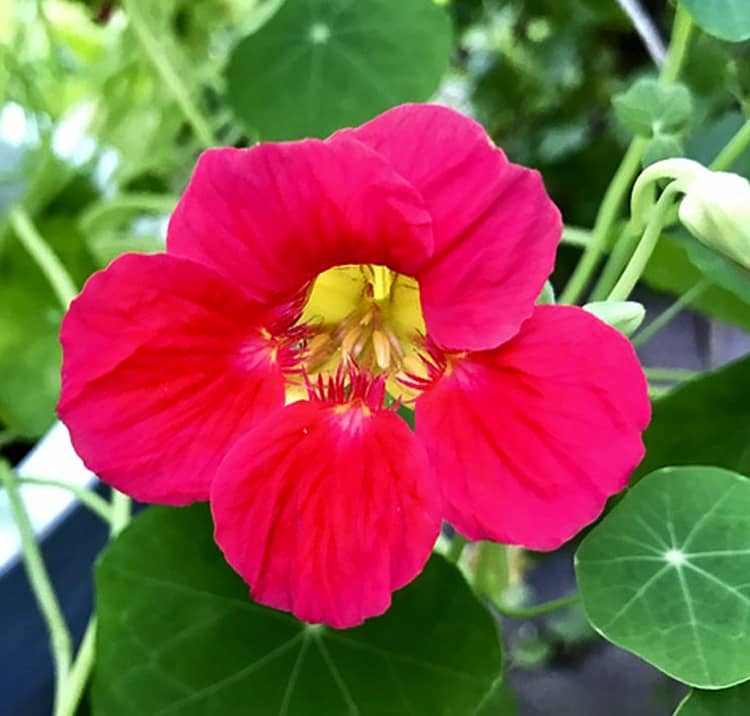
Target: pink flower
point(248, 364)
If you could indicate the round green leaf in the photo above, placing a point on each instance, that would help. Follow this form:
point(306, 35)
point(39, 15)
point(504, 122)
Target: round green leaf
point(725, 19)
point(665, 574)
point(650, 107)
point(730, 702)
point(179, 636)
point(318, 65)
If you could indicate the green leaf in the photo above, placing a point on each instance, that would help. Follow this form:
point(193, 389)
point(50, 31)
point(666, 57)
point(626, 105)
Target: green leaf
point(704, 421)
point(707, 141)
point(664, 575)
point(650, 107)
point(179, 635)
point(670, 269)
point(722, 271)
point(729, 702)
point(725, 19)
point(318, 65)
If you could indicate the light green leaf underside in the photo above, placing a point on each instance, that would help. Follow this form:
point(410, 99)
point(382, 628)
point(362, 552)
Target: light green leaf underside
point(179, 636)
point(666, 574)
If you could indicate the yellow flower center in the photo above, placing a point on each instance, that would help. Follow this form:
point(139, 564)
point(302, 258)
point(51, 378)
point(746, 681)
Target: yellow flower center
point(366, 315)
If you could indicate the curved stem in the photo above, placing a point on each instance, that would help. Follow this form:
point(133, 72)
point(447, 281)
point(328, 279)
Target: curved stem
point(98, 505)
point(51, 266)
point(638, 261)
point(539, 609)
point(736, 146)
point(627, 171)
point(670, 312)
point(41, 585)
point(154, 50)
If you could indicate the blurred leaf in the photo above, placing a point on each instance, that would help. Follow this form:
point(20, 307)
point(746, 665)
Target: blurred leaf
point(702, 422)
point(338, 62)
point(650, 107)
point(664, 575)
point(670, 269)
point(705, 143)
point(499, 702)
point(726, 19)
point(722, 271)
point(662, 146)
point(181, 636)
point(729, 702)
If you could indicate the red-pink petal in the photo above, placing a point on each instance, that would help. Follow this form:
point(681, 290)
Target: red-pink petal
point(163, 368)
point(494, 226)
point(529, 440)
point(324, 513)
point(273, 217)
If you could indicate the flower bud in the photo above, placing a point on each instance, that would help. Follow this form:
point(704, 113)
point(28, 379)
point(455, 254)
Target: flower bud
point(625, 316)
point(716, 211)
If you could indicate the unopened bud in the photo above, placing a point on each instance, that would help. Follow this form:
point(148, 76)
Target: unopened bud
point(716, 211)
point(625, 316)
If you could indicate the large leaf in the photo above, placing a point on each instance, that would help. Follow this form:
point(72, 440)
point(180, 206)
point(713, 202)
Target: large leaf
point(729, 702)
point(665, 574)
point(318, 65)
point(179, 636)
point(705, 421)
point(726, 19)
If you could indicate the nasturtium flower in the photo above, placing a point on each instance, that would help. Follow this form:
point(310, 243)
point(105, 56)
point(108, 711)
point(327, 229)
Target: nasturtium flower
point(308, 288)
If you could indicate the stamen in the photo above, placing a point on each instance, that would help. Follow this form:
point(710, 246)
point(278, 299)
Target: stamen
point(382, 348)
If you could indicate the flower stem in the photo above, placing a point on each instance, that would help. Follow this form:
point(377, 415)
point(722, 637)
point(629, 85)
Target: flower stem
point(539, 609)
point(41, 585)
point(155, 51)
point(51, 266)
point(456, 548)
point(120, 512)
point(671, 312)
point(670, 374)
point(79, 673)
point(98, 505)
point(637, 264)
point(736, 146)
point(623, 178)
point(608, 211)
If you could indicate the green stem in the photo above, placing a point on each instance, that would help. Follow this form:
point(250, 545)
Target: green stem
point(576, 236)
point(49, 263)
point(670, 374)
point(669, 313)
point(79, 673)
point(456, 548)
point(682, 29)
point(638, 261)
point(98, 505)
point(41, 585)
point(538, 610)
point(174, 84)
point(736, 146)
point(608, 212)
point(120, 512)
point(629, 167)
point(618, 259)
